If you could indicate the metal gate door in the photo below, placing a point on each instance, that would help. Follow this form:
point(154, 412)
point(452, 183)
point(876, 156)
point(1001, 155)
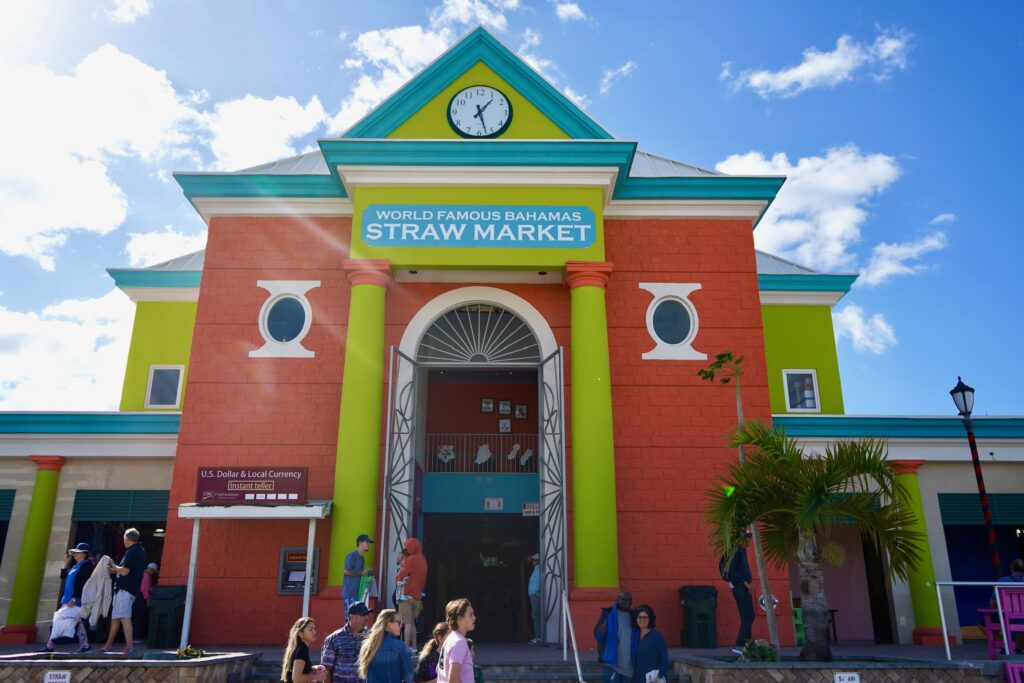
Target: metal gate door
point(397, 509)
point(553, 553)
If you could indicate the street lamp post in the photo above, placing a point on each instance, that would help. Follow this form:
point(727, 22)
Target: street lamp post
point(963, 397)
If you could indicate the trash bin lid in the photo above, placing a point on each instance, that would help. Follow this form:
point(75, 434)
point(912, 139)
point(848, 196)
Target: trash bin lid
point(166, 592)
point(698, 592)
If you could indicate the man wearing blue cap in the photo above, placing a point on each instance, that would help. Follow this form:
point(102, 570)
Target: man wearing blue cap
point(355, 563)
point(340, 653)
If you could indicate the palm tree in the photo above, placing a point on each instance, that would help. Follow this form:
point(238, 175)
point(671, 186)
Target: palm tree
point(796, 499)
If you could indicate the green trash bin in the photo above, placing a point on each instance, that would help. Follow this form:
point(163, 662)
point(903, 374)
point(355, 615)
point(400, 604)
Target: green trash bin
point(699, 616)
point(166, 614)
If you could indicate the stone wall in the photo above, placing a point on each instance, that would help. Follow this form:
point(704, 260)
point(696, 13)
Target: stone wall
point(213, 669)
point(701, 670)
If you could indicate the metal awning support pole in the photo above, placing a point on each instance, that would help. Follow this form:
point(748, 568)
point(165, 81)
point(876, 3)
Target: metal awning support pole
point(191, 586)
point(1002, 622)
point(309, 567)
point(942, 618)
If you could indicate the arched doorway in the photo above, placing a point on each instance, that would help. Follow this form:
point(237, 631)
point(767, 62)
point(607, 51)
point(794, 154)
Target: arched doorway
point(463, 465)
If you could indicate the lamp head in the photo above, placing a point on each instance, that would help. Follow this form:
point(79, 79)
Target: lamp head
point(963, 397)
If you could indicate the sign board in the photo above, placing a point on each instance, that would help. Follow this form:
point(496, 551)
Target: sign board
point(494, 504)
point(461, 225)
point(846, 678)
point(57, 677)
point(251, 485)
point(531, 509)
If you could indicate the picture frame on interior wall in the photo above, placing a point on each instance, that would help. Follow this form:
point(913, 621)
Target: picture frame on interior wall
point(504, 407)
point(164, 382)
point(801, 390)
point(486, 405)
point(504, 426)
point(521, 411)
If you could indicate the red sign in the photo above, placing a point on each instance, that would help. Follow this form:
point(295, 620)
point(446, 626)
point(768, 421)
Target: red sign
point(251, 485)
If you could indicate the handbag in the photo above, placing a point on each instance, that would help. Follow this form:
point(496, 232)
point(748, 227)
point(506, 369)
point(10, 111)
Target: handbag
point(653, 677)
point(64, 622)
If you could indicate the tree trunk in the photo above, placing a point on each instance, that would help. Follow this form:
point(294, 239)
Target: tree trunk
point(813, 601)
point(762, 571)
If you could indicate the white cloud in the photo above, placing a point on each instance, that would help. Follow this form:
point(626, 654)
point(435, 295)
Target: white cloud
point(148, 248)
point(612, 75)
point(569, 11)
point(252, 130)
point(389, 57)
point(891, 260)
point(579, 99)
point(541, 65)
point(69, 356)
point(817, 216)
point(127, 11)
point(873, 335)
point(943, 218)
point(60, 133)
point(818, 69)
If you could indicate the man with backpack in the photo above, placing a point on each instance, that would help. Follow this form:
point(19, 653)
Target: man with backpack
point(736, 570)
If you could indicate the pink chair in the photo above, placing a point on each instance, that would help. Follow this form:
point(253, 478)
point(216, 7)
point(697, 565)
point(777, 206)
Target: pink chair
point(1012, 600)
point(1014, 672)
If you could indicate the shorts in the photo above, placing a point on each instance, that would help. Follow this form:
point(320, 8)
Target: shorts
point(407, 611)
point(122, 608)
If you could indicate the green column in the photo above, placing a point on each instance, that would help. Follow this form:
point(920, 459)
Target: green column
point(595, 536)
point(927, 626)
point(362, 393)
point(31, 562)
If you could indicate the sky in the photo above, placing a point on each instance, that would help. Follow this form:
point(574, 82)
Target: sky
point(897, 124)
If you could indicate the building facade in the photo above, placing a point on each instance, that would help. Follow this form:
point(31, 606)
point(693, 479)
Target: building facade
point(475, 319)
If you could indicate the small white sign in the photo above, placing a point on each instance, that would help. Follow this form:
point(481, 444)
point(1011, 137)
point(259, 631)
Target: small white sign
point(531, 509)
point(846, 678)
point(57, 677)
point(494, 504)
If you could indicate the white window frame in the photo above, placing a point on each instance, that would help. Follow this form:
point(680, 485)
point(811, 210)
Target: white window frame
point(277, 290)
point(785, 390)
point(680, 293)
point(149, 387)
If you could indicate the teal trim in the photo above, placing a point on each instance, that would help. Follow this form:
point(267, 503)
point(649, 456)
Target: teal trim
point(819, 282)
point(478, 46)
point(114, 505)
point(465, 492)
point(259, 185)
point(141, 277)
point(89, 423)
point(853, 426)
point(701, 187)
point(6, 504)
point(965, 508)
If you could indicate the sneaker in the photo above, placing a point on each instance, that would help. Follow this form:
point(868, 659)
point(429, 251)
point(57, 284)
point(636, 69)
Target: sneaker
point(45, 648)
point(84, 648)
point(533, 641)
point(738, 650)
point(128, 651)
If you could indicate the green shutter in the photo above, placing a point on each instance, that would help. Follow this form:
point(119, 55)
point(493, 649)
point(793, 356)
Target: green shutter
point(120, 506)
point(6, 504)
point(965, 508)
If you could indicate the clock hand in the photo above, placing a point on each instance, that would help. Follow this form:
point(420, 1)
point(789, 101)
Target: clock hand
point(481, 109)
point(480, 115)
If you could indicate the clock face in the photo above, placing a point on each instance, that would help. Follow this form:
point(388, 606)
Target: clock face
point(479, 111)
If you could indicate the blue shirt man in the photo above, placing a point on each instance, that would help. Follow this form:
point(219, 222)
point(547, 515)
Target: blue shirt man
point(355, 563)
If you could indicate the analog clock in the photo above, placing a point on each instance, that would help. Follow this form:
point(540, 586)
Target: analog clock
point(479, 111)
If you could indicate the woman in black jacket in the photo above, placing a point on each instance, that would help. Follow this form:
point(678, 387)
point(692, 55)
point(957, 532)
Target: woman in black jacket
point(77, 570)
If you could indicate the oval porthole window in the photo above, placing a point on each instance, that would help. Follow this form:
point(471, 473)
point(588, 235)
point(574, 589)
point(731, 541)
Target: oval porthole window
point(671, 321)
point(285, 319)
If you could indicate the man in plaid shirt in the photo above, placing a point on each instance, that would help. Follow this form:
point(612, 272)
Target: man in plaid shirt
point(340, 652)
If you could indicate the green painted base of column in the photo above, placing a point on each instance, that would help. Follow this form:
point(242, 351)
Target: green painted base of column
point(922, 578)
point(356, 476)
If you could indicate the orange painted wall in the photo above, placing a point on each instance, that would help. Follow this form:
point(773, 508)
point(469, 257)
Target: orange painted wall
point(670, 428)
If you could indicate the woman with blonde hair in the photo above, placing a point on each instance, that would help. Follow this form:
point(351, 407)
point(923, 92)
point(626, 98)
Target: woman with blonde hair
point(383, 657)
point(297, 666)
point(426, 669)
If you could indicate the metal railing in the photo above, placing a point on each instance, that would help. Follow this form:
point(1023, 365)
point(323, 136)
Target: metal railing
point(572, 636)
point(500, 453)
point(999, 608)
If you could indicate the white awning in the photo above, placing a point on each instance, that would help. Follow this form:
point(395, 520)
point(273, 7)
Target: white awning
point(314, 509)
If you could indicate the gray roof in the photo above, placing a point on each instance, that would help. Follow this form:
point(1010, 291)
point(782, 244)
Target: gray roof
point(645, 165)
point(193, 261)
point(769, 264)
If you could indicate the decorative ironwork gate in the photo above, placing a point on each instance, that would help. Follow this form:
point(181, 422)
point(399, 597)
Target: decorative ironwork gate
point(553, 552)
point(397, 505)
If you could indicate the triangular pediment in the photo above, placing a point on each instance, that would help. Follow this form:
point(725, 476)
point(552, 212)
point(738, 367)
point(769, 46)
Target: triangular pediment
point(419, 109)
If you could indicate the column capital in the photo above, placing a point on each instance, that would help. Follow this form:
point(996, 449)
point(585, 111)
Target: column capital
point(906, 466)
point(587, 274)
point(368, 271)
point(48, 463)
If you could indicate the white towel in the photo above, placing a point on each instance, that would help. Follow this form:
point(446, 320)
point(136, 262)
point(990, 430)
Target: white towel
point(526, 457)
point(514, 453)
point(483, 454)
point(98, 592)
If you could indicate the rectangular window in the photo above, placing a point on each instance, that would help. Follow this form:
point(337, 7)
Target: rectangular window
point(164, 387)
point(801, 388)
